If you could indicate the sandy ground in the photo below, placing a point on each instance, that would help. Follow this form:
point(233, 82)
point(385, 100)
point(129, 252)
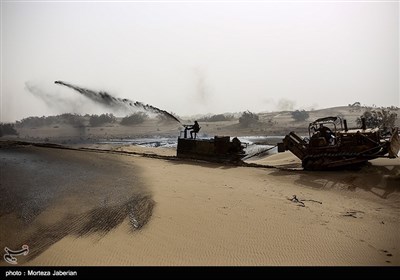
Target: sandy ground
point(89, 208)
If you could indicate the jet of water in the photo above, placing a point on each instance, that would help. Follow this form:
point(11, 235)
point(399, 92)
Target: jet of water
point(106, 99)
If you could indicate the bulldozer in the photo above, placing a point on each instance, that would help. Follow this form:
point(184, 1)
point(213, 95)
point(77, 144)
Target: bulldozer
point(331, 145)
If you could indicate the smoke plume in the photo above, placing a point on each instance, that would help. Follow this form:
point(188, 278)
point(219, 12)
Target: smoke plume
point(201, 84)
point(285, 104)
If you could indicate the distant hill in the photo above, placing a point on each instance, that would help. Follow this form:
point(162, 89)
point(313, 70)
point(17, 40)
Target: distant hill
point(79, 128)
point(281, 123)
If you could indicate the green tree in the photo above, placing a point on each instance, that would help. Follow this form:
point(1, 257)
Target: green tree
point(248, 118)
point(383, 119)
point(300, 115)
point(135, 118)
point(7, 129)
point(96, 120)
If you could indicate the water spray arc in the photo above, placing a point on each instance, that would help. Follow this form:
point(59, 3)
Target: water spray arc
point(106, 99)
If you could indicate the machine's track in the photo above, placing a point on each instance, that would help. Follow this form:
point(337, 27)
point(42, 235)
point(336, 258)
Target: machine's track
point(326, 161)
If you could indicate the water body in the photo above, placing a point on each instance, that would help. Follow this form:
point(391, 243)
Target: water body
point(254, 144)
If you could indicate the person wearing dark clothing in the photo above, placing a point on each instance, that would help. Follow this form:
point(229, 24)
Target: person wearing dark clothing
point(325, 132)
point(193, 128)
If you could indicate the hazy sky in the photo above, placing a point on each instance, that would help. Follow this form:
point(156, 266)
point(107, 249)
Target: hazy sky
point(194, 58)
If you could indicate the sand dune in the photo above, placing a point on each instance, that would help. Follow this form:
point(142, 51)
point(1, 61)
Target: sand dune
point(194, 213)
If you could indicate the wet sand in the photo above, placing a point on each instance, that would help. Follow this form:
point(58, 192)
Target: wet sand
point(49, 194)
point(88, 208)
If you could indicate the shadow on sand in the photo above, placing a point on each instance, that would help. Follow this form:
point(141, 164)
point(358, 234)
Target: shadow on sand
point(96, 221)
point(379, 180)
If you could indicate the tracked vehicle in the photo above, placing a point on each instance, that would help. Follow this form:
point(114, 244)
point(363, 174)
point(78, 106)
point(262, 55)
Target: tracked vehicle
point(331, 145)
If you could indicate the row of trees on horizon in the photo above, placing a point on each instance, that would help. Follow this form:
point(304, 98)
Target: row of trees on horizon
point(380, 117)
